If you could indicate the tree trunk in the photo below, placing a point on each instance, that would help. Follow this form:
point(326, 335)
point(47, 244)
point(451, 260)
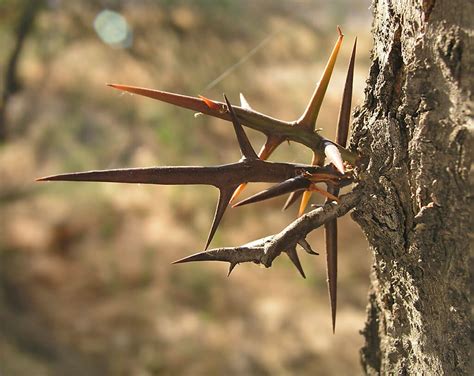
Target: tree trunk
point(415, 133)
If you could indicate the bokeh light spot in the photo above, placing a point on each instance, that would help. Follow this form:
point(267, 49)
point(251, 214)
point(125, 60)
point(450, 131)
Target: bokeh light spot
point(113, 29)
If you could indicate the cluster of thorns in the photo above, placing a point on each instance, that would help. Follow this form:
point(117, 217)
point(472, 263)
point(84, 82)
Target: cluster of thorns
point(297, 180)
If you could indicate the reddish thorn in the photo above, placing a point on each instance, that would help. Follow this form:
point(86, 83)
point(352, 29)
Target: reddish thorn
point(212, 105)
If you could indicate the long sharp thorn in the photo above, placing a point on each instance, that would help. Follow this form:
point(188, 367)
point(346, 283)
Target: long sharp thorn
point(292, 198)
point(201, 256)
point(244, 143)
point(224, 197)
point(164, 175)
point(231, 268)
point(331, 226)
point(233, 255)
point(293, 256)
point(307, 247)
point(308, 119)
point(345, 111)
point(191, 103)
point(290, 185)
point(150, 175)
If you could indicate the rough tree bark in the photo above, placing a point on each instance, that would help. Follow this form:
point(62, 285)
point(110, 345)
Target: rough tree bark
point(415, 131)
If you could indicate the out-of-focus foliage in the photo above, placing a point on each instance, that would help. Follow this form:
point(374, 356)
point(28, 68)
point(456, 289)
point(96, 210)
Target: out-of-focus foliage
point(86, 282)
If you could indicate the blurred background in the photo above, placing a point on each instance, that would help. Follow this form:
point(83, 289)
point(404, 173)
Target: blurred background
point(86, 285)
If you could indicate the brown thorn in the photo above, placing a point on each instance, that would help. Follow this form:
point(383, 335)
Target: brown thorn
point(307, 247)
point(289, 185)
point(224, 197)
point(164, 175)
point(231, 268)
point(185, 101)
point(123, 175)
point(201, 256)
point(293, 256)
point(345, 110)
point(330, 228)
point(244, 143)
point(232, 255)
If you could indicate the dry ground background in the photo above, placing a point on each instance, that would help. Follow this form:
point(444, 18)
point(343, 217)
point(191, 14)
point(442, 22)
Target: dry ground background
point(86, 282)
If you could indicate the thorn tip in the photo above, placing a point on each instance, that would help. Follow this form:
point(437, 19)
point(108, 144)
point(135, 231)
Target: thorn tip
point(293, 256)
point(231, 268)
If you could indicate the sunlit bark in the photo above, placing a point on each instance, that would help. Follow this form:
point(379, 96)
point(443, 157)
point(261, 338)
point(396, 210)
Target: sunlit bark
point(415, 133)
